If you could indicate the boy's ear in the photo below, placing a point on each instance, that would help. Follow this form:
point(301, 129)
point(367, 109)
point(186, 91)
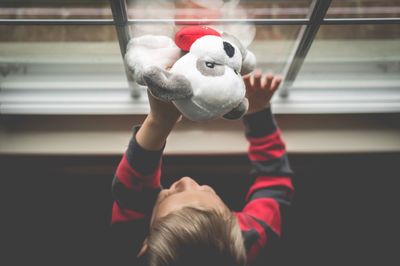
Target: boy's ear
point(143, 249)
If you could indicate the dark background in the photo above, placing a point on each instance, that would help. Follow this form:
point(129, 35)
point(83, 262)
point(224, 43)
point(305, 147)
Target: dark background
point(56, 209)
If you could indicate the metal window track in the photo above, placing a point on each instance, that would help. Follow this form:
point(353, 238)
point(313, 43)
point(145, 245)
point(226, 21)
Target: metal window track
point(277, 22)
point(56, 22)
point(355, 21)
point(119, 12)
point(303, 43)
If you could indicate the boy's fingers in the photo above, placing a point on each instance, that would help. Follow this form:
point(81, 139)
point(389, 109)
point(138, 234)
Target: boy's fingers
point(247, 82)
point(263, 81)
point(270, 77)
point(257, 79)
point(275, 83)
point(179, 119)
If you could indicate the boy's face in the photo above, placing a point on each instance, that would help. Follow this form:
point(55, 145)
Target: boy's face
point(186, 193)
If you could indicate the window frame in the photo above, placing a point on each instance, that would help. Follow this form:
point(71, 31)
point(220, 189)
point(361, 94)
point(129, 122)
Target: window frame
point(289, 100)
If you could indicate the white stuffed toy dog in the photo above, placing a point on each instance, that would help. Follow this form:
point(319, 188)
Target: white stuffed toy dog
point(205, 83)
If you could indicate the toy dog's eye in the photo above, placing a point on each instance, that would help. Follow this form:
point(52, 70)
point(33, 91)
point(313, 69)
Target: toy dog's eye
point(210, 64)
point(235, 72)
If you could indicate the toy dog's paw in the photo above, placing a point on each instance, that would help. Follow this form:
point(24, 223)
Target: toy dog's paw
point(167, 86)
point(238, 111)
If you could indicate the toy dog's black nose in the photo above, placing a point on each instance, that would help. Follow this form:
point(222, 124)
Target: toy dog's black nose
point(229, 49)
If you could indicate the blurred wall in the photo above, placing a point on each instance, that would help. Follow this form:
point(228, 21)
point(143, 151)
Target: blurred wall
point(56, 209)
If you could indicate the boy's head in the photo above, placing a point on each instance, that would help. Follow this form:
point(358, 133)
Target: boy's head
point(191, 225)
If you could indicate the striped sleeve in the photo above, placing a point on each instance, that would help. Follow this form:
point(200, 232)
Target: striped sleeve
point(271, 192)
point(136, 183)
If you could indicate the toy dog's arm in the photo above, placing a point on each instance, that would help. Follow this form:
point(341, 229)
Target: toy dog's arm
point(147, 57)
point(167, 86)
point(238, 111)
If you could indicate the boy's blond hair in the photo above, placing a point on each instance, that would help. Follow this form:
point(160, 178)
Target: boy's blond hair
point(191, 236)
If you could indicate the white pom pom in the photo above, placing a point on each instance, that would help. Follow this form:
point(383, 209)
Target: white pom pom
point(248, 64)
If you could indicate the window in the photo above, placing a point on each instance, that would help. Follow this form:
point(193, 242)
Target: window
point(65, 57)
point(352, 68)
point(364, 9)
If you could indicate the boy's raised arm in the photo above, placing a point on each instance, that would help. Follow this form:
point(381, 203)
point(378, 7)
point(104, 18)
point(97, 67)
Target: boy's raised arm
point(136, 183)
point(137, 179)
point(271, 191)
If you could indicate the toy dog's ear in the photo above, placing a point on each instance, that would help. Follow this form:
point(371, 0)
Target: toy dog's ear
point(248, 58)
point(167, 86)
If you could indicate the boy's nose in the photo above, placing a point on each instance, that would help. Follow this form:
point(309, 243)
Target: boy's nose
point(185, 183)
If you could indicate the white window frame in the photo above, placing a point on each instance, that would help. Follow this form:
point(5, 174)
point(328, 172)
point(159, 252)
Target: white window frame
point(290, 100)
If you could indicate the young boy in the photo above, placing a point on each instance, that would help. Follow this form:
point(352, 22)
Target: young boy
point(187, 223)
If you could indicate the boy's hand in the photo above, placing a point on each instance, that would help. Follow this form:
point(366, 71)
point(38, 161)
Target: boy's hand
point(163, 112)
point(157, 125)
point(259, 90)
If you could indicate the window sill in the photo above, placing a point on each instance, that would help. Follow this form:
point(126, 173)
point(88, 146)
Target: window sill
point(109, 135)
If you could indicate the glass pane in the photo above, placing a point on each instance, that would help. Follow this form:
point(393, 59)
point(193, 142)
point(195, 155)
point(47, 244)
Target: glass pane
point(55, 9)
point(59, 56)
point(353, 56)
point(364, 9)
point(57, 33)
point(272, 46)
point(215, 9)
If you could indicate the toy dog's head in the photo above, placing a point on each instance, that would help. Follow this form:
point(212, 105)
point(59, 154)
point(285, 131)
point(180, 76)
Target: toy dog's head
point(206, 82)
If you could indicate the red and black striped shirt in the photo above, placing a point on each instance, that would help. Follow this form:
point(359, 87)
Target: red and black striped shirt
point(137, 183)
